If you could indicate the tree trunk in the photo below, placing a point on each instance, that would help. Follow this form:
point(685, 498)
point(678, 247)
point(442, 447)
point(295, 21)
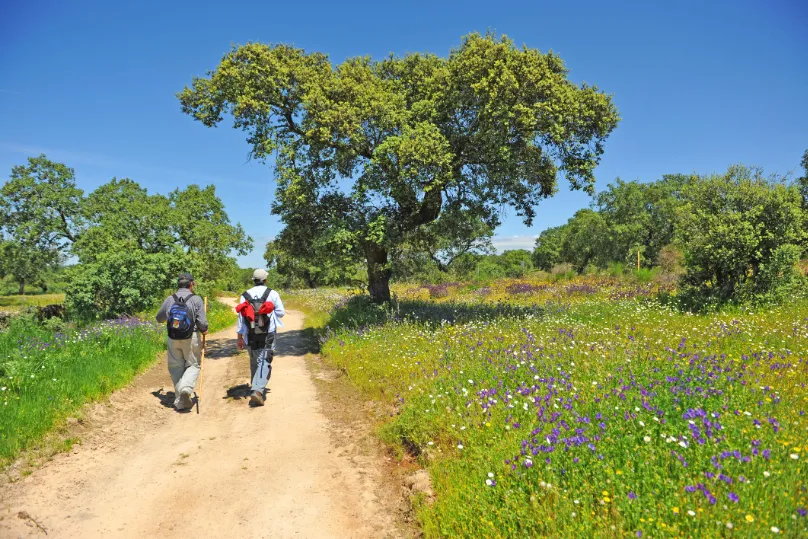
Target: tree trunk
point(378, 274)
point(22, 287)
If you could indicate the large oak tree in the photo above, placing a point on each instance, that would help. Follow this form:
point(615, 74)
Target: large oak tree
point(366, 152)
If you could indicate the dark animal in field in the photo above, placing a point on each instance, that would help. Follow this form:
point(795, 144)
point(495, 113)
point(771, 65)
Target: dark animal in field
point(50, 311)
point(5, 319)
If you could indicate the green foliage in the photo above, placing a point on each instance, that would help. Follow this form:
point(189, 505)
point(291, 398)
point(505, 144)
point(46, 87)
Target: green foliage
point(39, 216)
point(584, 240)
point(40, 204)
point(548, 250)
point(452, 235)
point(322, 265)
point(722, 233)
point(27, 263)
point(121, 282)
point(741, 235)
point(122, 215)
point(488, 269)
point(130, 244)
point(802, 182)
point(369, 151)
point(516, 263)
point(639, 216)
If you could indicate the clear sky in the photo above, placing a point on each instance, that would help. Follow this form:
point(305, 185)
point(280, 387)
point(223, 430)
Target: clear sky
point(699, 85)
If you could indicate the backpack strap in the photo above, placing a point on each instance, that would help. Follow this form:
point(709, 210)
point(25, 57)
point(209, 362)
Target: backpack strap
point(266, 295)
point(178, 299)
point(247, 296)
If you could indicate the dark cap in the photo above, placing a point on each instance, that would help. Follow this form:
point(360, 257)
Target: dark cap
point(185, 279)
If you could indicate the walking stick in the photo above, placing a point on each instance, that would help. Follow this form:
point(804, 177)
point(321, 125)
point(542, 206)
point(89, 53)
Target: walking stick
point(201, 362)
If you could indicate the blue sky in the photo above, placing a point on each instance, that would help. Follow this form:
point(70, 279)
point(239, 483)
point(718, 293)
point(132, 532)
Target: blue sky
point(699, 85)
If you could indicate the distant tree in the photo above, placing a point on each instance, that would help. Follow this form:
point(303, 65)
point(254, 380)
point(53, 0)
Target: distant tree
point(138, 242)
point(741, 235)
point(370, 151)
point(803, 180)
point(639, 216)
point(320, 265)
point(39, 218)
point(121, 214)
point(452, 235)
point(26, 264)
point(121, 282)
point(201, 225)
point(516, 263)
point(584, 240)
point(548, 250)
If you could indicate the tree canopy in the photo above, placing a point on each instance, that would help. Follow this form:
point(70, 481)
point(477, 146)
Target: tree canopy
point(368, 151)
point(40, 216)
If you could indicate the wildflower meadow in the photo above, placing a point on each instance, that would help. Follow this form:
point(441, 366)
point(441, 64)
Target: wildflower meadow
point(586, 408)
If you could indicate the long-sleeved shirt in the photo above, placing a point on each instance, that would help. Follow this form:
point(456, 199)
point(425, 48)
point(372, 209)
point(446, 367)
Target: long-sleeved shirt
point(195, 304)
point(257, 292)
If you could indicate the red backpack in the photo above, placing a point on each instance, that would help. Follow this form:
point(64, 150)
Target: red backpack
point(256, 312)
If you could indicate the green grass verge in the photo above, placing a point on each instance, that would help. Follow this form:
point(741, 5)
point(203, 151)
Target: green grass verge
point(220, 316)
point(46, 376)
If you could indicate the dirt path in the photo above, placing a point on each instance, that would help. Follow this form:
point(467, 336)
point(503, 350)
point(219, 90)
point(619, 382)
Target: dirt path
point(144, 470)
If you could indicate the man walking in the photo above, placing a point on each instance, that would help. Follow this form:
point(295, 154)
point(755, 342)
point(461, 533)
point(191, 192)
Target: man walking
point(184, 315)
point(258, 313)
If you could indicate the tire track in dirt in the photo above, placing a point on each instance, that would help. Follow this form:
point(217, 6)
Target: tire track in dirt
point(144, 470)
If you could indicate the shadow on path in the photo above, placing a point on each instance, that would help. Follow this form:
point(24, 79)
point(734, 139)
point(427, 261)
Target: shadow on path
point(220, 348)
point(241, 391)
point(166, 399)
point(296, 343)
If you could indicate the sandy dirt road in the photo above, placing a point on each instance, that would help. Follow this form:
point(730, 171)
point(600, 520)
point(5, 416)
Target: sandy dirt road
point(145, 470)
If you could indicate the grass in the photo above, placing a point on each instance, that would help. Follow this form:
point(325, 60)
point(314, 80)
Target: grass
point(15, 303)
point(220, 316)
point(586, 408)
point(46, 376)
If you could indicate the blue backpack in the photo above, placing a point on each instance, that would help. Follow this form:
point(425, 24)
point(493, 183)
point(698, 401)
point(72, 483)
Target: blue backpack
point(180, 321)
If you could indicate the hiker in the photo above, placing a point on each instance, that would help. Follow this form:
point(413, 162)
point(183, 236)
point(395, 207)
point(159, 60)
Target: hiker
point(258, 313)
point(184, 315)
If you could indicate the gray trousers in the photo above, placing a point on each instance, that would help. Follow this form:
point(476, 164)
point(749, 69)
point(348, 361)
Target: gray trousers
point(261, 364)
point(183, 363)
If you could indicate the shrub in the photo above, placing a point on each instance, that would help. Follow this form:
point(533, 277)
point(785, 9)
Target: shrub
point(645, 275)
point(616, 269)
point(738, 230)
point(671, 260)
point(562, 272)
point(120, 282)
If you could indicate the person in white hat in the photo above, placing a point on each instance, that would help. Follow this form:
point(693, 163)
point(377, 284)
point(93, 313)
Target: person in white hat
point(258, 334)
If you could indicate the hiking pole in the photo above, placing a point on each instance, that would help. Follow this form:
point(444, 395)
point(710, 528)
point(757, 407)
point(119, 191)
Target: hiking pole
point(201, 362)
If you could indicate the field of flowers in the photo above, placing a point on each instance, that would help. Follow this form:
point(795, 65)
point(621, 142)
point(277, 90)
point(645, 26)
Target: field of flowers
point(587, 408)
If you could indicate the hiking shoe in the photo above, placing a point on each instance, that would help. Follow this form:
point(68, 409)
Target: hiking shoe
point(186, 401)
point(257, 398)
